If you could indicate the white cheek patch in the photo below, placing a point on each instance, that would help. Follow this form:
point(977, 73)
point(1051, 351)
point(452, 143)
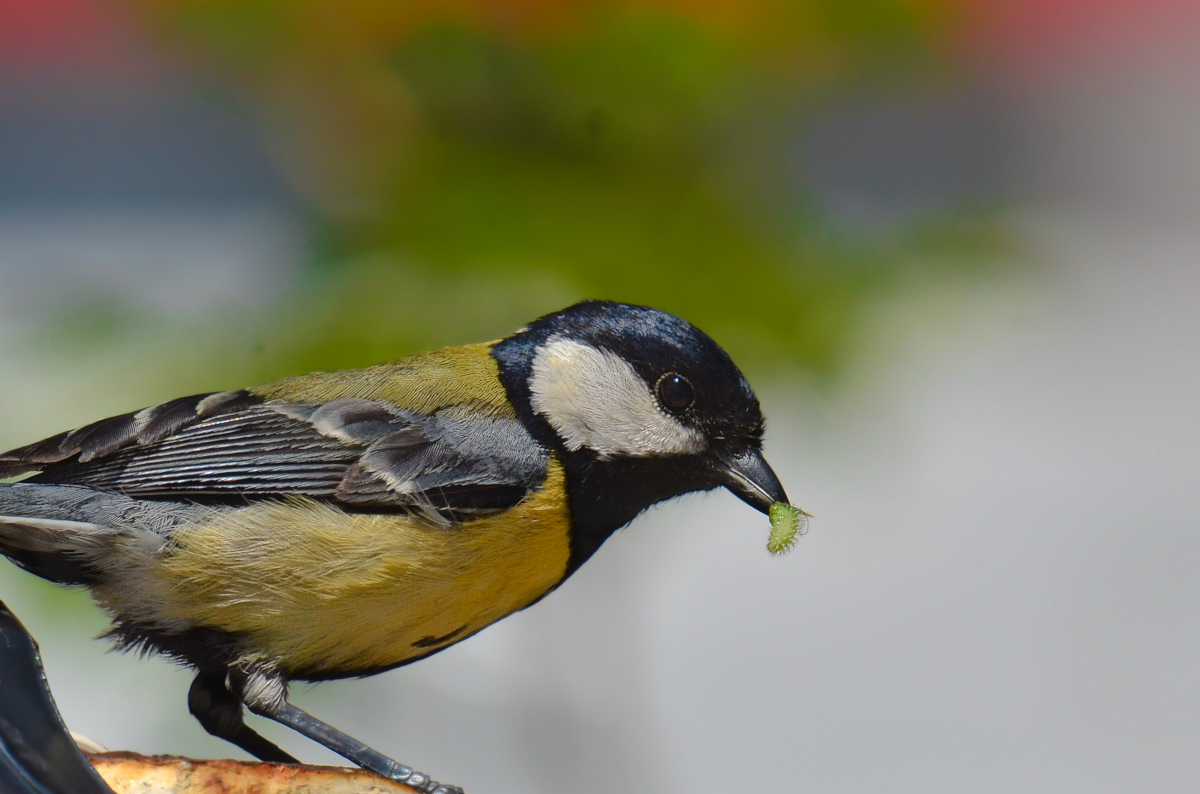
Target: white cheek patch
point(593, 398)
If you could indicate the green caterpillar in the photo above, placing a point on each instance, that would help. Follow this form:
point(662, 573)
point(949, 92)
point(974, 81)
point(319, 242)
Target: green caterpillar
point(787, 523)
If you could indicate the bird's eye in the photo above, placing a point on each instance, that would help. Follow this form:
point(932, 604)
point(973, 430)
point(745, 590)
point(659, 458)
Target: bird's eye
point(674, 392)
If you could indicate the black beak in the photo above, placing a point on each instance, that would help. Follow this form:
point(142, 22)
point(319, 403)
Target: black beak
point(752, 480)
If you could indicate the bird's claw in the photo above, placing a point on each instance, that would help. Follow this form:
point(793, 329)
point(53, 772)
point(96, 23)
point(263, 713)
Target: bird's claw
point(422, 782)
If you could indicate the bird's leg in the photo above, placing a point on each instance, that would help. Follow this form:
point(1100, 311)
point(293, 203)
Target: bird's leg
point(264, 692)
point(220, 712)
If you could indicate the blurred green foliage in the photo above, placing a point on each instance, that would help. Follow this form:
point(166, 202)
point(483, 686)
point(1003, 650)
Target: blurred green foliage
point(469, 165)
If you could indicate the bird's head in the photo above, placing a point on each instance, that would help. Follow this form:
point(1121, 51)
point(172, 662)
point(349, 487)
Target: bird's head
point(641, 405)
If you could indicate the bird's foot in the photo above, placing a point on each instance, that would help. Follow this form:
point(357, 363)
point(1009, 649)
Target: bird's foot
point(350, 748)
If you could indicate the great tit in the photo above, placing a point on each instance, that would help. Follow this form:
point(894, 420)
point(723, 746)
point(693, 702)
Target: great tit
point(344, 523)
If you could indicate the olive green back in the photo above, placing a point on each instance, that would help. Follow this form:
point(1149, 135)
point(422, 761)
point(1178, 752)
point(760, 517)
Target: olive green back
point(424, 383)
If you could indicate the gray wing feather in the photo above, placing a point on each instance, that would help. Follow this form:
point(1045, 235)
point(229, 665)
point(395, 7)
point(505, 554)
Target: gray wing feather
point(367, 455)
point(66, 532)
point(458, 465)
point(100, 439)
point(257, 451)
point(49, 505)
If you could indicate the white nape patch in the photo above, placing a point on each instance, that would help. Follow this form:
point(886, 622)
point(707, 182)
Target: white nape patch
point(595, 399)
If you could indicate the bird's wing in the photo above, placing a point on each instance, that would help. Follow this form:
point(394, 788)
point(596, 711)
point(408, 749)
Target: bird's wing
point(368, 455)
point(141, 428)
point(455, 462)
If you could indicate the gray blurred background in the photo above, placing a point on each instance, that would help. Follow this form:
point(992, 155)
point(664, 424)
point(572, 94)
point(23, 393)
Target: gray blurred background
point(955, 246)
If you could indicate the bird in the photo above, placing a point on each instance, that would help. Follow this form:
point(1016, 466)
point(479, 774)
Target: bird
point(340, 524)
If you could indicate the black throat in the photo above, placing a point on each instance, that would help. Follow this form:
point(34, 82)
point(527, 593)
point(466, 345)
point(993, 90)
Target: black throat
point(607, 494)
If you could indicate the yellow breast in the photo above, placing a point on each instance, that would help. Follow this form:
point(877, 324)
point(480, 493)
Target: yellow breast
point(318, 591)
